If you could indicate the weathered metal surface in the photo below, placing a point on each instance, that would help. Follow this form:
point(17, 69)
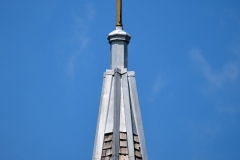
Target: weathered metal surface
point(102, 117)
point(131, 74)
point(109, 123)
point(122, 135)
point(119, 55)
point(134, 129)
point(128, 117)
point(119, 134)
point(117, 101)
point(119, 40)
point(119, 35)
point(122, 112)
point(137, 115)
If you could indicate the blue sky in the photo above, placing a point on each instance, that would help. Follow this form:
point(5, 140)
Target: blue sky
point(186, 55)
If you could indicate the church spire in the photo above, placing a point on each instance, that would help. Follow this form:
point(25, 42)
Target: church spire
point(119, 134)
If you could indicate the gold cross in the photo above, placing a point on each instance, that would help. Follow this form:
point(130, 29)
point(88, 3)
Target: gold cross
point(119, 13)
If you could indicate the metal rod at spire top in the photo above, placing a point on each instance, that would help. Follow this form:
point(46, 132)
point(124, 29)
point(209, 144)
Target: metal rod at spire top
point(119, 13)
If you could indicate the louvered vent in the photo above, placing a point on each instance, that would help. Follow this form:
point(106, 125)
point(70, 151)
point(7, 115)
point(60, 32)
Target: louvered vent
point(138, 154)
point(107, 147)
point(123, 150)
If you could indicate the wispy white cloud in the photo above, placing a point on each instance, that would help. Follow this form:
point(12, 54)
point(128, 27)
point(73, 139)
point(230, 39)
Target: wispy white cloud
point(205, 133)
point(236, 51)
point(216, 79)
point(201, 130)
point(158, 84)
point(228, 73)
point(228, 109)
point(81, 38)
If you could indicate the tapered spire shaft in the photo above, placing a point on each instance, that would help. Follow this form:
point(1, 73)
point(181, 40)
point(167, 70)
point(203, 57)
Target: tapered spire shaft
point(119, 13)
point(119, 134)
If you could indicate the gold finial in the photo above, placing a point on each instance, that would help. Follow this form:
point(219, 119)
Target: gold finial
point(119, 13)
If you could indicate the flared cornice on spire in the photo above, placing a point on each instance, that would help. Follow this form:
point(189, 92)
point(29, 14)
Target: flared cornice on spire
point(119, 40)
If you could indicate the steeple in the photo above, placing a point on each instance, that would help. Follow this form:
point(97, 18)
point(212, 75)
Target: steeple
point(119, 134)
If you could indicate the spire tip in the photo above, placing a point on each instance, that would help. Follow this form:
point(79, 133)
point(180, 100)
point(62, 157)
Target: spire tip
point(119, 13)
